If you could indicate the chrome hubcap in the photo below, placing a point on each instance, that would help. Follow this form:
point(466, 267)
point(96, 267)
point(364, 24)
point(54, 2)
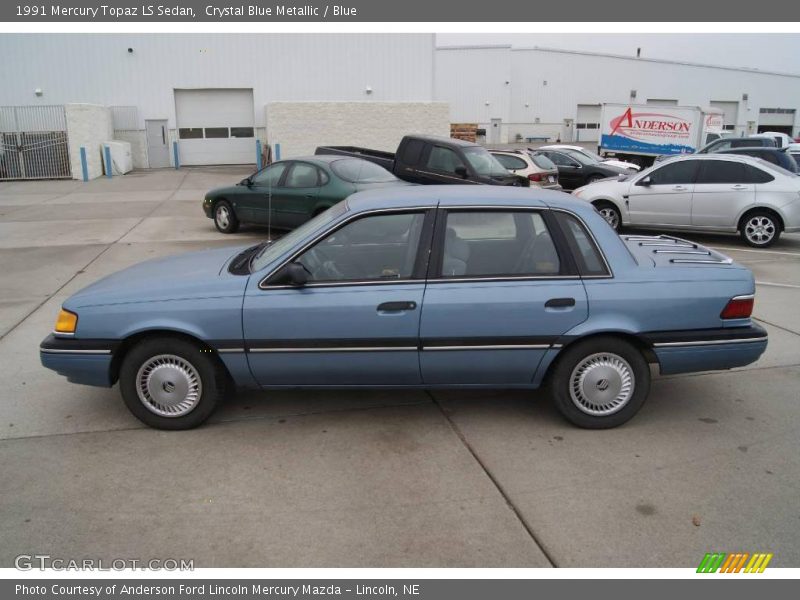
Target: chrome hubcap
point(759, 230)
point(610, 215)
point(601, 384)
point(223, 216)
point(168, 385)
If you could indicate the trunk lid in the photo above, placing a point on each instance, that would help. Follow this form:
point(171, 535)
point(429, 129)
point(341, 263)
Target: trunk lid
point(668, 251)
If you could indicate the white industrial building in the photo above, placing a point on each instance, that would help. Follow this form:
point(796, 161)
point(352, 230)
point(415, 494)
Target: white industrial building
point(518, 93)
point(199, 99)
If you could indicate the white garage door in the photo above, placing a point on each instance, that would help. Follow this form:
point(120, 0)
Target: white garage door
point(215, 126)
point(587, 123)
point(731, 113)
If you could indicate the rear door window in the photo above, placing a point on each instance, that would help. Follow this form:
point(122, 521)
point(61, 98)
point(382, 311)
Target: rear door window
point(590, 261)
point(512, 163)
point(722, 171)
point(412, 151)
point(498, 244)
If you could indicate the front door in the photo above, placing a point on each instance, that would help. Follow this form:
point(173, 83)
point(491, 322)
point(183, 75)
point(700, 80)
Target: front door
point(256, 203)
point(570, 171)
point(157, 143)
point(293, 203)
point(723, 189)
point(499, 295)
point(664, 196)
point(356, 321)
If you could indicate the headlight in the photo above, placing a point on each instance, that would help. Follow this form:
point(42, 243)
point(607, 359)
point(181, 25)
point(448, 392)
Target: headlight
point(66, 322)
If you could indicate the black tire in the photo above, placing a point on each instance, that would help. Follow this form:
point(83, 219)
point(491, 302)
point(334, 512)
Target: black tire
point(610, 213)
point(225, 218)
point(204, 366)
point(760, 228)
point(602, 355)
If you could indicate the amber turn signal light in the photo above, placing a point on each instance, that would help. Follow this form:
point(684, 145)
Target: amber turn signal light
point(66, 322)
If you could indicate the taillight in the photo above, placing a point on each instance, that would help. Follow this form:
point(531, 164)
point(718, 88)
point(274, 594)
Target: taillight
point(536, 177)
point(740, 307)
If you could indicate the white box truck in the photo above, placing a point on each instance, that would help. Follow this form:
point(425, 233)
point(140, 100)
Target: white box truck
point(640, 132)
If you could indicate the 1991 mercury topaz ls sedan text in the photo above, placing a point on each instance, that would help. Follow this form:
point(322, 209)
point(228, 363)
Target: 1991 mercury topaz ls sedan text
point(456, 286)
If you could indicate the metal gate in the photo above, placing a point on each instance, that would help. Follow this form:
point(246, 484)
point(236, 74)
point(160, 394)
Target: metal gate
point(33, 143)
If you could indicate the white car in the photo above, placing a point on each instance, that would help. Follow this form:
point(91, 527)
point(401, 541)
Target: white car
point(781, 139)
point(539, 169)
point(704, 192)
point(613, 162)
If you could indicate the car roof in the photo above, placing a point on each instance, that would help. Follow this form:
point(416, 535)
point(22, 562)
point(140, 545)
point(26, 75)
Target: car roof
point(441, 139)
point(464, 195)
point(321, 158)
point(746, 149)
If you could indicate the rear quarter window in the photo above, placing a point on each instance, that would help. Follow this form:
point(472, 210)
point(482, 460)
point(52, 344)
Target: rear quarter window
point(583, 247)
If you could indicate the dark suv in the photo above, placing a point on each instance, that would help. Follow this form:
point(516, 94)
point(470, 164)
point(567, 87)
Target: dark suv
point(728, 143)
point(776, 156)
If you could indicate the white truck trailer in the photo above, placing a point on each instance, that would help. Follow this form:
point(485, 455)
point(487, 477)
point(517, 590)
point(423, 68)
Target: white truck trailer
point(640, 132)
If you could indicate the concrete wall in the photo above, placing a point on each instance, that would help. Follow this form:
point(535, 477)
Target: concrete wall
point(138, 141)
point(88, 125)
point(299, 127)
point(98, 69)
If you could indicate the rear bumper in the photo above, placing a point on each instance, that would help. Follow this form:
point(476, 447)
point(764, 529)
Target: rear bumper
point(87, 362)
point(708, 349)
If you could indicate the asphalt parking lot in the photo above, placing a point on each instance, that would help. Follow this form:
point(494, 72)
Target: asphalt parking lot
point(371, 479)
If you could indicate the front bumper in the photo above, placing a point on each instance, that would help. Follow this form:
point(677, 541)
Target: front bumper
point(87, 362)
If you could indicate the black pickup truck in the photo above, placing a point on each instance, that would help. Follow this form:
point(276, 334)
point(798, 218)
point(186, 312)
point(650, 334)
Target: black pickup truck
point(435, 160)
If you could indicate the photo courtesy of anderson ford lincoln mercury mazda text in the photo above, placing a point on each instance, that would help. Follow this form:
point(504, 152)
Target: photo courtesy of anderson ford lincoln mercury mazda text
point(421, 286)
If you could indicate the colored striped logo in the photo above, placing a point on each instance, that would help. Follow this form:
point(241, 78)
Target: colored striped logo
point(738, 562)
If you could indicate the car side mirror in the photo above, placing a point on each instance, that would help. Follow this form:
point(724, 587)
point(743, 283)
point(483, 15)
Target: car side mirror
point(462, 172)
point(246, 182)
point(296, 274)
point(646, 181)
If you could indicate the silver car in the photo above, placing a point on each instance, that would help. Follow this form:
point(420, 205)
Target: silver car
point(704, 192)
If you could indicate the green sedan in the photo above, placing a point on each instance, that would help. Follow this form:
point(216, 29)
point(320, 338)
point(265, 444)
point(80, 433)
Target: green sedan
point(290, 192)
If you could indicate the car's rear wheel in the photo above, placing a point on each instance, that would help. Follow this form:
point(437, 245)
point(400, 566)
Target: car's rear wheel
point(610, 213)
point(760, 229)
point(600, 383)
point(225, 218)
point(171, 383)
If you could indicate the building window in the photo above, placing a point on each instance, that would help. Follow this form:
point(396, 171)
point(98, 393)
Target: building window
point(188, 133)
point(242, 132)
point(587, 126)
point(216, 132)
point(777, 111)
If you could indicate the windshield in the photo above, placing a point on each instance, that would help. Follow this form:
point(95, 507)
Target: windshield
point(281, 245)
point(358, 170)
point(483, 162)
point(579, 156)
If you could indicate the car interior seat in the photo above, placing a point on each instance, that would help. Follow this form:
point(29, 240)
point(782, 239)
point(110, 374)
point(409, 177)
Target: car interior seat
point(456, 254)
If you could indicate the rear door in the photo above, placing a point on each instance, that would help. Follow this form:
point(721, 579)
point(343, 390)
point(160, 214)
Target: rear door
point(664, 196)
point(723, 189)
point(499, 294)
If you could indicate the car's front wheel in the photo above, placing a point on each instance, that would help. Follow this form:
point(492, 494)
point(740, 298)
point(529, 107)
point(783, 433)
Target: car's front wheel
point(600, 383)
point(171, 383)
point(610, 213)
point(225, 218)
point(760, 229)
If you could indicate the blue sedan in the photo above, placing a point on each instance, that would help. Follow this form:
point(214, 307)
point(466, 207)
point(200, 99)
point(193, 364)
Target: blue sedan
point(429, 287)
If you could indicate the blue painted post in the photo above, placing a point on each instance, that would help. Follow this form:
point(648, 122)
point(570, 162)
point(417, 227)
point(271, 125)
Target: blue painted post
point(175, 155)
point(109, 166)
point(84, 165)
point(277, 151)
point(258, 154)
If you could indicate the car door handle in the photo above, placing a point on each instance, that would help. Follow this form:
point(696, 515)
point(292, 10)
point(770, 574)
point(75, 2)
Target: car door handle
point(738, 187)
point(559, 303)
point(679, 188)
point(396, 306)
